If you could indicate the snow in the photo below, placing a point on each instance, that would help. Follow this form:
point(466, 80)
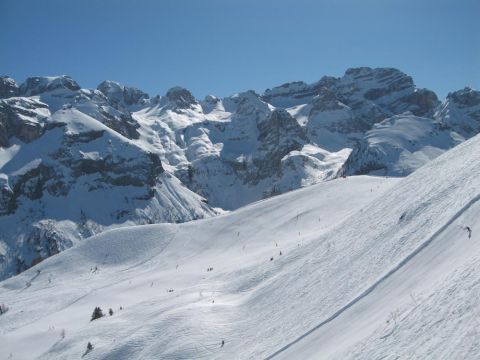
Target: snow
point(28, 167)
point(138, 256)
point(362, 267)
point(371, 267)
point(205, 139)
point(92, 155)
point(75, 203)
point(408, 142)
point(4, 181)
point(407, 311)
point(6, 154)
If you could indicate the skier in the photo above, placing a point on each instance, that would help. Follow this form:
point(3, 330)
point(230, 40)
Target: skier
point(223, 343)
point(469, 231)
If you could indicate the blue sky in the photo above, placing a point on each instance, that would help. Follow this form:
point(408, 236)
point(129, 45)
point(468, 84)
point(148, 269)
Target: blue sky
point(225, 46)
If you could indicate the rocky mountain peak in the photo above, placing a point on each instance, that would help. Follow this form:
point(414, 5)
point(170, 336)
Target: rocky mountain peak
point(374, 83)
point(119, 95)
point(210, 103)
point(325, 101)
point(22, 118)
point(465, 97)
point(326, 82)
point(8, 87)
point(460, 112)
point(41, 84)
point(249, 103)
point(286, 89)
point(111, 89)
point(211, 99)
point(289, 94)
point(181, 97)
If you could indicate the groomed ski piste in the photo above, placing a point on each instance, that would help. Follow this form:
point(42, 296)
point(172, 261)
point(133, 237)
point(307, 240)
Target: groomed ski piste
point(355, 268)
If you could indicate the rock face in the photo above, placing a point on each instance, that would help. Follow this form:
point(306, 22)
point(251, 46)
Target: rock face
point(22, 118)
point(375, 94)
point(181, 97)
point(461, 112)
point(38, 85)
point(289, 94)
point(279, 134)
point(120, 96)
point(8, 87)
point(327, 113)
point(75, 162)
point(6, 195)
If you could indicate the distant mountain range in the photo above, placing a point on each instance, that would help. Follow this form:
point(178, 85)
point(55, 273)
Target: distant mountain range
point(75, 162)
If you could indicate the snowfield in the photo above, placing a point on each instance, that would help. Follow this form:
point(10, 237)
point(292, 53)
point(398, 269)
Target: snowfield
point(363, 267)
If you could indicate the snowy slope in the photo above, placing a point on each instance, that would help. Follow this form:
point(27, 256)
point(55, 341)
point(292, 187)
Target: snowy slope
point(402, 143)
point(399, 145)
point(430, 292)
point(370, 267)
point(138, 265)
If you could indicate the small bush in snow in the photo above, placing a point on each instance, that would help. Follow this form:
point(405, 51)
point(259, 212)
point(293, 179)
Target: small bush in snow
point(3, 309)
point(97, 313)
point(110, 311)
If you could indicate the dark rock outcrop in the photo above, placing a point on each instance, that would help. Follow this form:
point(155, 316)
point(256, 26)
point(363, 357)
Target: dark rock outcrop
point(279, 134)
point(41, 84)
point(460, 112)
point(6, 195)
point(181, 97)
point(22, 118)
point(8, 87)
point(120, 96)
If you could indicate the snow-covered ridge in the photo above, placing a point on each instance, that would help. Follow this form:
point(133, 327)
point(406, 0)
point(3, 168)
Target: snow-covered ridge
point(361, 267)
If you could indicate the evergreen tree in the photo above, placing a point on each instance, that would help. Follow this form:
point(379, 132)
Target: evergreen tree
point(97, 313)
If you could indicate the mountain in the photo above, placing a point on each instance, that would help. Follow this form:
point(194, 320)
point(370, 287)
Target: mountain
point(75, 162)
point(70, 170)
point(357, 267)
point(400, 144)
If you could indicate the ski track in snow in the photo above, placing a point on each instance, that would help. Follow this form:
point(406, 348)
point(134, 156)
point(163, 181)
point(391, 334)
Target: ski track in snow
point(380, 281)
